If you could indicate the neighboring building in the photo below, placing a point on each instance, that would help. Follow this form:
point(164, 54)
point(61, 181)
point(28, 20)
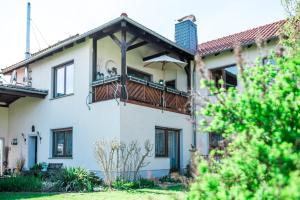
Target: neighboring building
point(97, 86)
point(218, 57)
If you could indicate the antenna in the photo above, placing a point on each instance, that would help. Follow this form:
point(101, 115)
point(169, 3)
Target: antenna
point(27, 52)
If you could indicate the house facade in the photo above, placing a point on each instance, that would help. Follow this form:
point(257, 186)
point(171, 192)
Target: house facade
point(96, 86)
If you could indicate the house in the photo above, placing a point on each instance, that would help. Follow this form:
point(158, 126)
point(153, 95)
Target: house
point(118, 81)
point(96, 86)
point(220, 62)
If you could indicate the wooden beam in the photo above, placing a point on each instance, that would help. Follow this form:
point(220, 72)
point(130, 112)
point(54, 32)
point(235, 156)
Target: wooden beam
point(94, 59)
point(130, 42)
point(116, 40)
point(123, 47)
point(158, 43)
point(137, 45)
point(155, 55)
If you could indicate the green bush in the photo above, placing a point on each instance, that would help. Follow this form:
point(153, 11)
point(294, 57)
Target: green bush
point(128, 185)
point(261, 126)
point(20, 184)
point(146, 183)
point(75, 179)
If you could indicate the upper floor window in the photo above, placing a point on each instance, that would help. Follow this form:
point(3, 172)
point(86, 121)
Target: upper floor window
point(228, 74)
point(139, 74)
point(63, 80)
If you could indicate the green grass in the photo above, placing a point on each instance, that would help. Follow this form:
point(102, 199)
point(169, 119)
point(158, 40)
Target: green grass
point(147, 194)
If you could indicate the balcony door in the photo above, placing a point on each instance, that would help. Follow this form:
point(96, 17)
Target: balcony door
point(167, 144)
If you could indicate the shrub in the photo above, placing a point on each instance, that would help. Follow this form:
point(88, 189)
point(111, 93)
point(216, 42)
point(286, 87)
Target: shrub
point(20, 184)
point(261, 127)
point(146, 183)
point(127, 185)
point(76, 179)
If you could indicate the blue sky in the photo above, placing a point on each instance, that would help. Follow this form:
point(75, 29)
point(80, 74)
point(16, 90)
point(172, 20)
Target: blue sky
point(58, 19)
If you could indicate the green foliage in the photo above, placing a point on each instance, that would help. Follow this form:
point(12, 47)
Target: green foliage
point(169, 179)
point(76, 179)
point(128, 185)
point(262, 127)
point(20, 184)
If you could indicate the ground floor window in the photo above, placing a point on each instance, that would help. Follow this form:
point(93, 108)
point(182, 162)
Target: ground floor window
point(62, 142)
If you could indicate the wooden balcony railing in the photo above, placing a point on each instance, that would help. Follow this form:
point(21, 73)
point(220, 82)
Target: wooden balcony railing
point(143, 93)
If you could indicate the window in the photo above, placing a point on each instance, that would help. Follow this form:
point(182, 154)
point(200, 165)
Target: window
point(215, 140)
point(139, 74)
point(228, 74)
point(161, 144)
point(62, 142)
point(268, 61)
point(63, 80)
point(171, 84)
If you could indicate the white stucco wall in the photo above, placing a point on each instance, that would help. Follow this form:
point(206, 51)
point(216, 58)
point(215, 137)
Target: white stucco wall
point(139, 122)
point(71, 111)
point(4, 123)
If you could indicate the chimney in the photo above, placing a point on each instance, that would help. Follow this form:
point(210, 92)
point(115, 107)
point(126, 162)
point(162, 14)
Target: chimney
point(186, 33)
point(27, 52)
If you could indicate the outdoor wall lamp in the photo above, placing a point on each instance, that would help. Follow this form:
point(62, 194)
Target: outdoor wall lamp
point(24, 138)
point(33, 128)
point(40, 137)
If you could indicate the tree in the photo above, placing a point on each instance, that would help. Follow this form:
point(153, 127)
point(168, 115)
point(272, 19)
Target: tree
point(261, 125)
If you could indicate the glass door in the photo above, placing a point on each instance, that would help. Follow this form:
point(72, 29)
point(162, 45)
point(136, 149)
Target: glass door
point(173, 149)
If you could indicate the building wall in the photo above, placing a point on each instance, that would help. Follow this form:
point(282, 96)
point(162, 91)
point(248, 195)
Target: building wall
point(4, 124)
point(97, 121)
point(71, 111)
point(108, 50)
point(138, 123)
point(250, 55)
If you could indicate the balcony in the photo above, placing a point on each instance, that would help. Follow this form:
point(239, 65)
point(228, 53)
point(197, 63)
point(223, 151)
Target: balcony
point(143, 93)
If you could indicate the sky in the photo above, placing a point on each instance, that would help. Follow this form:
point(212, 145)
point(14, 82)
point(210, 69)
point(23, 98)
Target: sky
point(59, 19)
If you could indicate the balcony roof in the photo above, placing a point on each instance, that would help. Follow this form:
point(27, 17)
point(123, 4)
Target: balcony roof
point(10, 93)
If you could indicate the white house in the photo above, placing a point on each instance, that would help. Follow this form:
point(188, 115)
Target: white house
point(100, 85)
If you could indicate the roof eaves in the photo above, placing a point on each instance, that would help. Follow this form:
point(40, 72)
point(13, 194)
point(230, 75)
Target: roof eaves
point(88, 33)
point(84, 35)
point(228, 48)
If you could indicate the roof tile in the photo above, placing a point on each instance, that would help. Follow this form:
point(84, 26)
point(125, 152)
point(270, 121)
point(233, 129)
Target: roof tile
point(265, 32)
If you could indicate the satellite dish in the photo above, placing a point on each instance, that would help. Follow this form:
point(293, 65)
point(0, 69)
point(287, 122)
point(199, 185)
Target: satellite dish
point(13, 77)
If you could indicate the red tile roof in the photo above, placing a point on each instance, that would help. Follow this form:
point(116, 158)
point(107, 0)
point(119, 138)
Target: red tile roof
point(248, 37)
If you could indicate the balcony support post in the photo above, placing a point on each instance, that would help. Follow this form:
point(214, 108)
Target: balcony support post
point(124, 94)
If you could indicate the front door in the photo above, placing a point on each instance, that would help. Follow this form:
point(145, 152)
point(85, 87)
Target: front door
point(1, 155)
point(32, 151)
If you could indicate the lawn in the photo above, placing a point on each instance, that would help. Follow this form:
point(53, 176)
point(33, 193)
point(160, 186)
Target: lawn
point(151, 194)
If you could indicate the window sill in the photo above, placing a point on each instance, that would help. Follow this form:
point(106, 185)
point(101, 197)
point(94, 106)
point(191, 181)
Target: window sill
point(161, 157)
point(69, 158)
point(59, 97)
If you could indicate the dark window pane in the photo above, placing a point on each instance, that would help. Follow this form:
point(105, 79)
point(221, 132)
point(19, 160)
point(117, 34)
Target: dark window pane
point(171, 84)
point(160, 143)
point(68, 143)
point(230, 76)
point(62, 143)
point(138, 74)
